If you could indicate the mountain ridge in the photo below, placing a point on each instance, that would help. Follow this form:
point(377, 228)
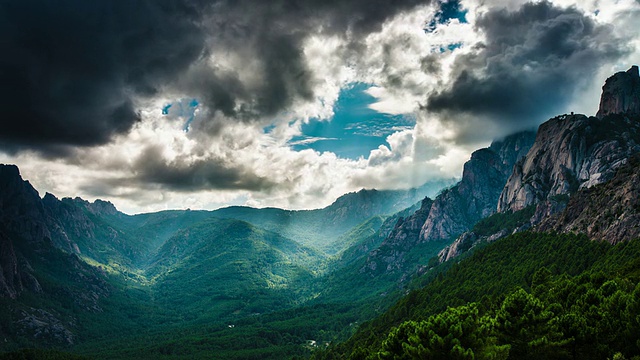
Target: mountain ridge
point(572, 152)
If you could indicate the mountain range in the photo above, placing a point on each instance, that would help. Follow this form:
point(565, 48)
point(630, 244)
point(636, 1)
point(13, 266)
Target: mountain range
point(84, 278)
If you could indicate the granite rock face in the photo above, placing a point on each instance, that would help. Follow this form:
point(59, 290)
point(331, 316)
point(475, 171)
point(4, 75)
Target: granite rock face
point(621, 94)
point(463, 243)
point(608, 212)
point(477, 193)
point(390, 255)
point(455, 209)
point(571, 152)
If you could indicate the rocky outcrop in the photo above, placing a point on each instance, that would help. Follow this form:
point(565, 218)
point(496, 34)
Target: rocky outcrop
point(43, 326)
point(573, 152)
point(21, 211)
point(390, 255)
point(477, 193)
point(454, 210)
point(102, 208)
point(22, 216)
point(621, 94)
point(463, 243)
point(609, 212)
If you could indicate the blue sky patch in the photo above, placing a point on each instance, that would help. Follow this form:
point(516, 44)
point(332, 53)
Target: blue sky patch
point(354, 130)
point(449, 10)
point(450, 47)
point(182, 109)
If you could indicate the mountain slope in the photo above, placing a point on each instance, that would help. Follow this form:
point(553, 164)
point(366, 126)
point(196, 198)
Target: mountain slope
point(476, 195)
point(521, 261)
point(223, 268)
point(589, 168)
point(418, 237)
point(43, 290)
point(391, 260)
point(183, 280)
point(609, 211)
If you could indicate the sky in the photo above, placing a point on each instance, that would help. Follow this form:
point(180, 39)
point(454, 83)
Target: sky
point(173, 104)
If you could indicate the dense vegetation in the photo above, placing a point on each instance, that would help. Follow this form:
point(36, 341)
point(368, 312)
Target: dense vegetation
point(37, 354)
point(527, 296)
point(506, 220)
point(218, 287)
point(200, 286)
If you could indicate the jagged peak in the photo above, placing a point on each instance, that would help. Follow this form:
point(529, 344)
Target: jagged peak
point(10, 177)
point(621, 94)
point(9, 169)
point(98, 207)
point(49, 198)
point(104, 207)
point(10, 173)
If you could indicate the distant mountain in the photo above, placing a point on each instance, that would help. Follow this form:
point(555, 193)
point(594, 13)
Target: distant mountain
point(321, 228)
point(164, 266)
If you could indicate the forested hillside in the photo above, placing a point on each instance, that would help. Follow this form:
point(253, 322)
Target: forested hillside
point(529, 295)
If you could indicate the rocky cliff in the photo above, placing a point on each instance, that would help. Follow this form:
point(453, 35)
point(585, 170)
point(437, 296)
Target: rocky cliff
point(621, 94)
point(579, 176)
point(34, 245)
point(609, 212)
point(390, 255)
point(573, 152)
point(21, 210)
point(476, 195)
point(453, 211)
point(31, 230)
point(21, 214)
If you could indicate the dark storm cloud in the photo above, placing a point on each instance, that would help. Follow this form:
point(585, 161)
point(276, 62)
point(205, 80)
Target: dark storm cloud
point(181, 174)
point(528, 67)
point(71, 70)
